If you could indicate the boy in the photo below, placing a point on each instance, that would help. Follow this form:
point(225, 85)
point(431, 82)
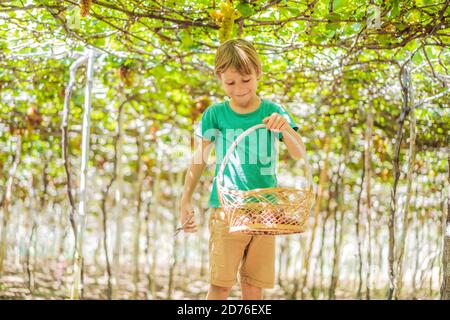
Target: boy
point(238, 68)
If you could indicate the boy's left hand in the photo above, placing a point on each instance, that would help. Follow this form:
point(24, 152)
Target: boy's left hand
point(276, 123)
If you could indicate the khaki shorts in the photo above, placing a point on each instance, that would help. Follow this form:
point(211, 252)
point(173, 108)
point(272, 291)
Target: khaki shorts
point(255, 255)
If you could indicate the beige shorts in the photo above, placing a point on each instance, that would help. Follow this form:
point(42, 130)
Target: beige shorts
point(253, 256)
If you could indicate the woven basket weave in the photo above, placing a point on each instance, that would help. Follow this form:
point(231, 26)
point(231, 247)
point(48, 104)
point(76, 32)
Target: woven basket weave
point(266, 211)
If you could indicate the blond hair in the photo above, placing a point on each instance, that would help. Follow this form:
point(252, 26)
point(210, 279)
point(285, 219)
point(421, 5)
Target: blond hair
point(237, 53)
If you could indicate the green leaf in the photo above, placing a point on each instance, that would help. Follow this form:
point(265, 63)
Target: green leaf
point(294, 11)
point(385, 39)
point(401, 26)
point(332, 26)
point(333, 17)
point(417, 58)
point(186, 38)
point(395, 9)
point(284, 12)
point(338, 4)
point(245, 9)
point(330, 34)
point(413, 16)
point(412, 45)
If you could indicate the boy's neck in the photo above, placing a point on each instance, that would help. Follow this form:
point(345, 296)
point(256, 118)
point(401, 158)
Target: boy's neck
point(251, 106)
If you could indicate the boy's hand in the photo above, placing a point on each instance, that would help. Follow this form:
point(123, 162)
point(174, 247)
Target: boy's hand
point(187, 218)
point(276, 123)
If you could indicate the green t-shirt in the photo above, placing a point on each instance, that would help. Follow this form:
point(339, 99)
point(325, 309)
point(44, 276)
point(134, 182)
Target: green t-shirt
point(252, 164)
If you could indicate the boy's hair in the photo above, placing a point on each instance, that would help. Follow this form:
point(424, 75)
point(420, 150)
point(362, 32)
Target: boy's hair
point(237, 53)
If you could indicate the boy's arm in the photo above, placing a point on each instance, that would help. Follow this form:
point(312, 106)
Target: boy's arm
point(195, 170)
point(293, 150)
point(198, 163)
point(277, 123)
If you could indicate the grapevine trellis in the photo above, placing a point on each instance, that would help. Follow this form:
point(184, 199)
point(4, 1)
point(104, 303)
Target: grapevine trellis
point(99, 99)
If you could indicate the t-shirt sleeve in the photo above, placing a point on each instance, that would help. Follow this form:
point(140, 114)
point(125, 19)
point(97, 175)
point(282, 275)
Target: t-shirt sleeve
point(288, 117)
point(208, 127)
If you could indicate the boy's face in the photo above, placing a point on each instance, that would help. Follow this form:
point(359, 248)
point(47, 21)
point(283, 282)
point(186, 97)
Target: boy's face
point(240, 88)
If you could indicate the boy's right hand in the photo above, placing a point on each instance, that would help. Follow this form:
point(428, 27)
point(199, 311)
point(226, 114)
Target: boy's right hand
point(186, 214)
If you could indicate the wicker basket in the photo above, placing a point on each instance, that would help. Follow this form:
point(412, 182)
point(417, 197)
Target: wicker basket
point(266, 211)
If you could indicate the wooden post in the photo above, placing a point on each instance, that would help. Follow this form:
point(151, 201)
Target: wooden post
point(77, 285)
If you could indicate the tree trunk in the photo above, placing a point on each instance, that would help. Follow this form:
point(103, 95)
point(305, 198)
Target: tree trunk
point(441, 232)
point(426, 263)
point(147, 243)
point(435, 243)
point(176, 195)
point(298, 270)
point(30, 262)
point(418, 246)
point(445, 287)
point(338, 235)
point(116, 163)
point(404, 78)
point(378, 227)
point(358, 236)
point(339, 220)
point(61, 263)
point(105, 238)
point(151, 251)
point(287, 266)
point(118, 219)
point(6, 202)
point(64, 140)
point(322, 243)
point(411, 163)
point(137, 221)
point(322, 181)
point(368, 179)
point(31, 253)
point(316, 281)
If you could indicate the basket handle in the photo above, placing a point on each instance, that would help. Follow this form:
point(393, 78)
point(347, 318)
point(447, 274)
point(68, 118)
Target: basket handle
point(250, 130)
